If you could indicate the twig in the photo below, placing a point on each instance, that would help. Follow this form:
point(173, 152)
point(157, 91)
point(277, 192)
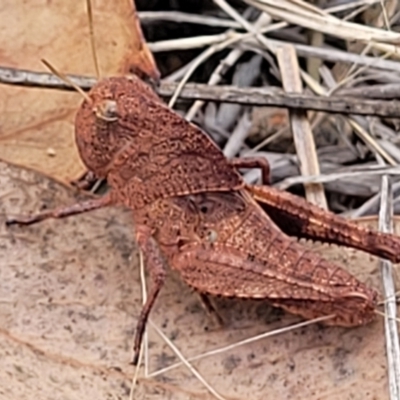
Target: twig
point(308, 16)
point(246, 24)
point(245, 75)
point(351, 5)
point(358, 129)
point(200, 59)
point(224, 65)
point(238, 136)
point(179, 17)
point(391, 332)
point(182, 17)
point(371, 204)
point(266, 96)
point(370, 141)
point(381, 91)
point(302, 134)
point(303, 50)
point(376, 170)
point(232, 37)
point(192, 42)
point(21, 77)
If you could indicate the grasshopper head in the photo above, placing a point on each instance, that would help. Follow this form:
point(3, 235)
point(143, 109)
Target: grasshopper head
point(111, 120)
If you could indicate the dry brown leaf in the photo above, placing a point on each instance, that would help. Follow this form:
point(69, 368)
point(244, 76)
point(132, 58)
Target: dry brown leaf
point(70, 297)
point(37, 125)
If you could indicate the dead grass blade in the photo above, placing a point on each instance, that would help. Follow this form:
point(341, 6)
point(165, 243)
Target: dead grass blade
point(303, 14)
point(178, 16)
point(301, 129)
point(186, 363)
point(145, 347)
point(358, 129)
point(391, 331)
point(252, 339)
point(262, 21)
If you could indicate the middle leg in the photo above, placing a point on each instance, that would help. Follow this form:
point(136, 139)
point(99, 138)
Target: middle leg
point(254, 162)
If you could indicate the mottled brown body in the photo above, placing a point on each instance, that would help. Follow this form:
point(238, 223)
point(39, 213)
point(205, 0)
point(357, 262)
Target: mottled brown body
point(193, 211)
point(224, 244)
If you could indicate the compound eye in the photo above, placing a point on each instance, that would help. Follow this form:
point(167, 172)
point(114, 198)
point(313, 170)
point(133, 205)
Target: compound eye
point(107, 111)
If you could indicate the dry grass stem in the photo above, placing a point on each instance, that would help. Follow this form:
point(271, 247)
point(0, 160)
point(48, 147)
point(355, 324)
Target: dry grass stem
point(271, 96)
point(308, 16)
point(363, 172)
point(185, 362)
point(302, 134)
point(177, 16)
point(358, 129)
point(384, 315)
point(248, 26)
point(262, 21)
point(391, 330)
point(232, 346)
point(144, 347)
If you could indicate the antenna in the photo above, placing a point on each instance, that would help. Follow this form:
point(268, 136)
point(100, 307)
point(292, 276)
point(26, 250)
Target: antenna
point(67, 80)
point(92, 41)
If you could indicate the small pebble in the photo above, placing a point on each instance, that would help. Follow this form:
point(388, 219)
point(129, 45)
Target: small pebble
point(51, 152)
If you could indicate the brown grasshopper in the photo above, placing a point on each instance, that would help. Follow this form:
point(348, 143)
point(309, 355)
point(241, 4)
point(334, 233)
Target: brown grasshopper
point(193, 211)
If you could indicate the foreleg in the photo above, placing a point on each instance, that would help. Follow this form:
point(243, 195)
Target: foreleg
point(62, 212)
point(86, 181)
point(154, 263)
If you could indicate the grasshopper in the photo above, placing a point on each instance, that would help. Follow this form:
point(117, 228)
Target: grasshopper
point(193, 212)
